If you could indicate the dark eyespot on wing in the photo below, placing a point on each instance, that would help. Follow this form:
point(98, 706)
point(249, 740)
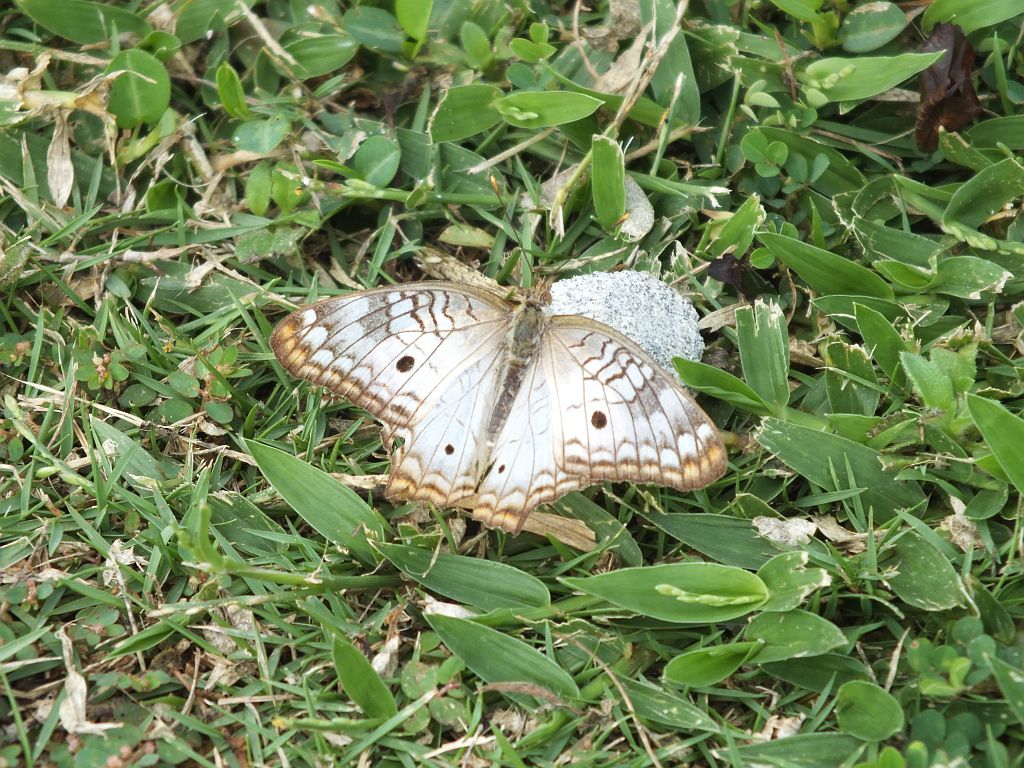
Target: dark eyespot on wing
point(405, 363)
point(599, 420)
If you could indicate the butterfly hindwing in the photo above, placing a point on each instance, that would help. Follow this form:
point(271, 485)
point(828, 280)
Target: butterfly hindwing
point(521, 471)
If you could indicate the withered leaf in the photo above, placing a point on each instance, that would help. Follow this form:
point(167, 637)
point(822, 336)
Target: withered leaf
point(739, 274)
point(947, 93)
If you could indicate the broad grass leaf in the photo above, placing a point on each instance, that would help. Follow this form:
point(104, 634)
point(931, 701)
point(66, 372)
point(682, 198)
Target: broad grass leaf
point(764, 352)
point(985, 193)
point(333, 510)
point(817, 673)
point(825, 272)
point(999, 130)
point(320, 55)
point(84, 22)
point(722, 385)
point(834, 463)
point(607, 182)
point(539, 109)
point(498, 658)
point(484, 584)
point(861, 77)
point(883, 341)
point(724, 538)
point(931, 383)
point(1010, 680)
point(360, 680)
point(969, 15)
point(805, 750)
point(691, 593)
point(924, 576)
point(868, 712)
point(127, 454)
point(1004, 433)
point(244, 525)
point(657, 705)
point(793, 635)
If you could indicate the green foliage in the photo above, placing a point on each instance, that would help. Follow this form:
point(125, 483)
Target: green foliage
point(200, 564)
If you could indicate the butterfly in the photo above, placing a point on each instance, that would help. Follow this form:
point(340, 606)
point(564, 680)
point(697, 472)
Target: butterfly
point(488, 402)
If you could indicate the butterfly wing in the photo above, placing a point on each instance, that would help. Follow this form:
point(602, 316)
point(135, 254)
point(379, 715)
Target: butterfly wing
point(593, 407)
point(621, 416)
point(522, 472)
point(424, 359)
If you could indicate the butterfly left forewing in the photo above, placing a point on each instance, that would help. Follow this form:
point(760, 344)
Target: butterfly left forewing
point(424, 359)
point(391, 350)
point(620, 415)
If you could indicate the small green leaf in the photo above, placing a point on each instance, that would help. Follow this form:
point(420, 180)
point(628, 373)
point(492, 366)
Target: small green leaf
point(1010, 680)
point(230, 91)
point(375, 28)
point(711, 665)
point(476, 45)
point(790, 581)
point(764, 351)
point(853, 79)
point(142, 93)
point(923, 576)
point(721, 385)
point(871, 25)
point(866, 711)
point(838, 464)
point(257, 189)
point(654, 703)
point(465, 111)
point(485, 584)
point(825, 272)
point(985, 193)
point(414, 17)
point(377, 160)
point(360, 680)
point(320, 55)
point(261, 136)
point(884, 343)
point(607, 183)
point(82, 22)
point(930, 382)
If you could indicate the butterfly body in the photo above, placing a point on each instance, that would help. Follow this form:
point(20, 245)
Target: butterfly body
point(495, 405)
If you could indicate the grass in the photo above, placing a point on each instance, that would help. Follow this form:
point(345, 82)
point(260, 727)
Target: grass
point(197, 563)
